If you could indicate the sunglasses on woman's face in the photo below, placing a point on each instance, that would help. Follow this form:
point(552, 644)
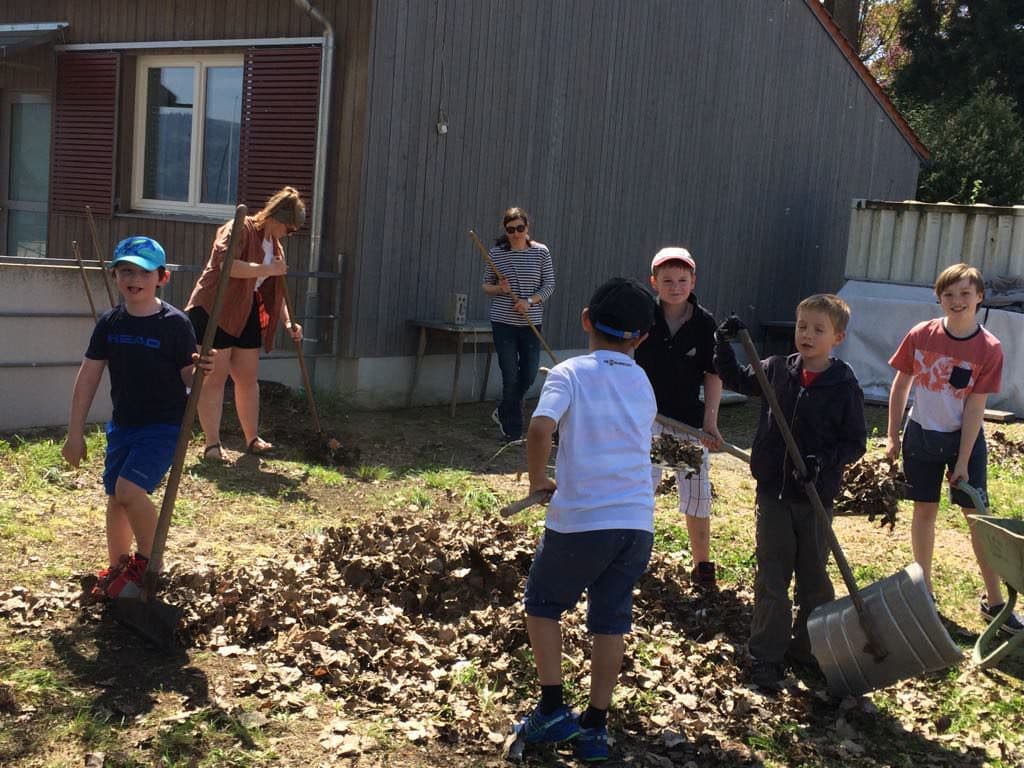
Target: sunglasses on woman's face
point(518, 228)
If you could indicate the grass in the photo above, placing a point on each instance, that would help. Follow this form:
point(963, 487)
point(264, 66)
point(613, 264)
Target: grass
point(230, 514)
point(371, 473)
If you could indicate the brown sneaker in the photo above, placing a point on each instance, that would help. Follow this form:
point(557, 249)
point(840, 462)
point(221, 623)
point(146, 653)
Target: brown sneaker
point(703, 576)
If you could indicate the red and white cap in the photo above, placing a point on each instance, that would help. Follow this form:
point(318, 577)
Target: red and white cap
point(673, 254)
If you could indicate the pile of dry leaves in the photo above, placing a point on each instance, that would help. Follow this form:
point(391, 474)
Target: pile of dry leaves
point(670, 451)
point(872, 486)
point(417, 626)
point(1003, 449)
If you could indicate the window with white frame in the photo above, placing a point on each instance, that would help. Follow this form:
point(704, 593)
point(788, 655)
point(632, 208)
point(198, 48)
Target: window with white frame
point(188, 113)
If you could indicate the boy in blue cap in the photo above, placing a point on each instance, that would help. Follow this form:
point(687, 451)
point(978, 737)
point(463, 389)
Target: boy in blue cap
point(151, 350)
point(600, 522)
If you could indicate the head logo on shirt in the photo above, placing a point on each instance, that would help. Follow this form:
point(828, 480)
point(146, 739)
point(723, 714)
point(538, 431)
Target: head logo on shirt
point(127, 338)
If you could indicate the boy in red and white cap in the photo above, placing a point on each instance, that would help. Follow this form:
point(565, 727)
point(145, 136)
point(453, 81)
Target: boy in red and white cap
point(678, 359)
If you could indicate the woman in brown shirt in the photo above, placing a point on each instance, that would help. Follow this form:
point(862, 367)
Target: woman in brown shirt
point(252, 306)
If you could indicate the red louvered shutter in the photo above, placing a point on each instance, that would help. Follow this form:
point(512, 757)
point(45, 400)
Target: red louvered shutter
point(280, 101)
point(85, 133)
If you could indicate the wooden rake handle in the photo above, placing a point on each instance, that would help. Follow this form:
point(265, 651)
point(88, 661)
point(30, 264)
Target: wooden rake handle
point(314, 414)
point(876, 647)
point(537, 497)
point(99, 256)
point(85, 279)
point(163, 522)
point(490, 261)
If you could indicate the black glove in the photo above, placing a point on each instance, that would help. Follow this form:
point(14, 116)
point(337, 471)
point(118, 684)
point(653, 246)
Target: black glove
point(729, 329)
point(813, 464)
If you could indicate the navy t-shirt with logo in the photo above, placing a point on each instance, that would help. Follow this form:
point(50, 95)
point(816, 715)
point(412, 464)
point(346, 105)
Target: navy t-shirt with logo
point(145, 356)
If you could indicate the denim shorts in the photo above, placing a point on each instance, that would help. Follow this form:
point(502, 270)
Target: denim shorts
point(605, 564)
point(928, 455)
point(141, 455)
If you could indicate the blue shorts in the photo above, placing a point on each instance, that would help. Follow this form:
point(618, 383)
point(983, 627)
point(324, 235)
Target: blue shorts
point(928, 455)
point(606, 564)
point(141, 455)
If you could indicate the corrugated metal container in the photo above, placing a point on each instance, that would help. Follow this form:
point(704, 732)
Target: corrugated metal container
point(913, 242)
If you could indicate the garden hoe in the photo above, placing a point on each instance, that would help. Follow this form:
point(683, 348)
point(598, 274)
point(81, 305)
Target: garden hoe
point(154, 620)
point(886, 632)
point(323, 446)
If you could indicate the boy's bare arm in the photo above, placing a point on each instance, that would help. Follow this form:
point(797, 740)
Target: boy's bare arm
point(538, 451)
point(712, 401)
point(86, 383)
point(974, 414)
point(898, 395)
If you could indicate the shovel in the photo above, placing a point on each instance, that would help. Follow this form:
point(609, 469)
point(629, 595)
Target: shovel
point(154, 620)
point(700, 434)
point(888, 631)
point(327, 445)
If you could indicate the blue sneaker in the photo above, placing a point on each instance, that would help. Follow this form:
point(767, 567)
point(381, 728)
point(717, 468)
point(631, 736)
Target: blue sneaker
point(538, 728)
point(592, 745)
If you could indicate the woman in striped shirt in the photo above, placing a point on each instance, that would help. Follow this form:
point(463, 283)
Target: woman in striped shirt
point(527, 281)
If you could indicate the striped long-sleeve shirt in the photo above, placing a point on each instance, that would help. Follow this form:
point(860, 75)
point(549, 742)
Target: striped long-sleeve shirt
point(529, 272)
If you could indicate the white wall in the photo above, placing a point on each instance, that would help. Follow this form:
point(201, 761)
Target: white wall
point(48, 350)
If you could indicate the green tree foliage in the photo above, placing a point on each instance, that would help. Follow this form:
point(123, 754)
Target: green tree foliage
point(961, 87)
point(977, 149)
point(956, 47)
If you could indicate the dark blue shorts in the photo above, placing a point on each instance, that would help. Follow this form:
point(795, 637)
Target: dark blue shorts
point(141, 455)
point(928, 455)
point(604, 564)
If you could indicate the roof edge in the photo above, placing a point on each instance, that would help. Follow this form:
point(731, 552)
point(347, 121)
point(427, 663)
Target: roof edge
point(826, 21)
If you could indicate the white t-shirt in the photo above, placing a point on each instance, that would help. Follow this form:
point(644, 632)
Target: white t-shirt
point(604, 406)
point(268, 256)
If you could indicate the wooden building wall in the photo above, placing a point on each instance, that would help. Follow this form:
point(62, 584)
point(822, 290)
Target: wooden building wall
point(187, 239)
point(735, 128)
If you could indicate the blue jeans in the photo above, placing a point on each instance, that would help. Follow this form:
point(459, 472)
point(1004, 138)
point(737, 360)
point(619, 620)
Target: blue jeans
point(518, 350)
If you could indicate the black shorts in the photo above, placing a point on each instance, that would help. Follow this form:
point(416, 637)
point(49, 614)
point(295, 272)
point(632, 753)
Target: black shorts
point(249, 338)
point(928, 455)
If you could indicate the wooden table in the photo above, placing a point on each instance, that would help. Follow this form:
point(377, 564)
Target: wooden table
point(470, 333)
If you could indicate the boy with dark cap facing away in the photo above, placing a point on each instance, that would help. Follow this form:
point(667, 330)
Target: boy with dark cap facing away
point(600, 521)
point(151, 351)
point(824, 407)
point(678, 358)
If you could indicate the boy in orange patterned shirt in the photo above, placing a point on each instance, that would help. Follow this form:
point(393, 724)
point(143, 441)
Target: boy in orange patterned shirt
point(953, 364)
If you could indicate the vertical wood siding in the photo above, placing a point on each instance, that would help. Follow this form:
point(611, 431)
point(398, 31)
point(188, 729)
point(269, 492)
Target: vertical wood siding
point(188, 239)
point(738, 129)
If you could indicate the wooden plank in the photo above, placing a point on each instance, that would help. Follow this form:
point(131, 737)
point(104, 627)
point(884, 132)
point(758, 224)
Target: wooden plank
point(1002, 417)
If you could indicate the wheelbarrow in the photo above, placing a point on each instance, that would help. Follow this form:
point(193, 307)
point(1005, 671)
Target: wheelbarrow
point(1002, 540)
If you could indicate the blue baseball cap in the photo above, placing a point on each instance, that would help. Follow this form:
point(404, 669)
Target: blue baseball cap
point(142, 251)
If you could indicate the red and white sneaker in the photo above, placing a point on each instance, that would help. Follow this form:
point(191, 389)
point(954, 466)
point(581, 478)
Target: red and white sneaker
point(129, 581)
point(105, 576)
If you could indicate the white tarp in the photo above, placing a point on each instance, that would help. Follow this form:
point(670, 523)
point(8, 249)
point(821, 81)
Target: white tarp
point(884, 312)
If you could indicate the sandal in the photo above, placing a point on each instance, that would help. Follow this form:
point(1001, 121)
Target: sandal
point(219, 457)
point(258, 446)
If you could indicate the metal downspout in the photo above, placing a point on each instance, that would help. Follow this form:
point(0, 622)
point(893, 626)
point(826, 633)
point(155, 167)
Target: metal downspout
point(311, 306)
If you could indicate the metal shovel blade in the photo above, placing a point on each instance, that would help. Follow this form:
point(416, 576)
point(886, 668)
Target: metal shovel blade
point(909, 626)
point(154, 620)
